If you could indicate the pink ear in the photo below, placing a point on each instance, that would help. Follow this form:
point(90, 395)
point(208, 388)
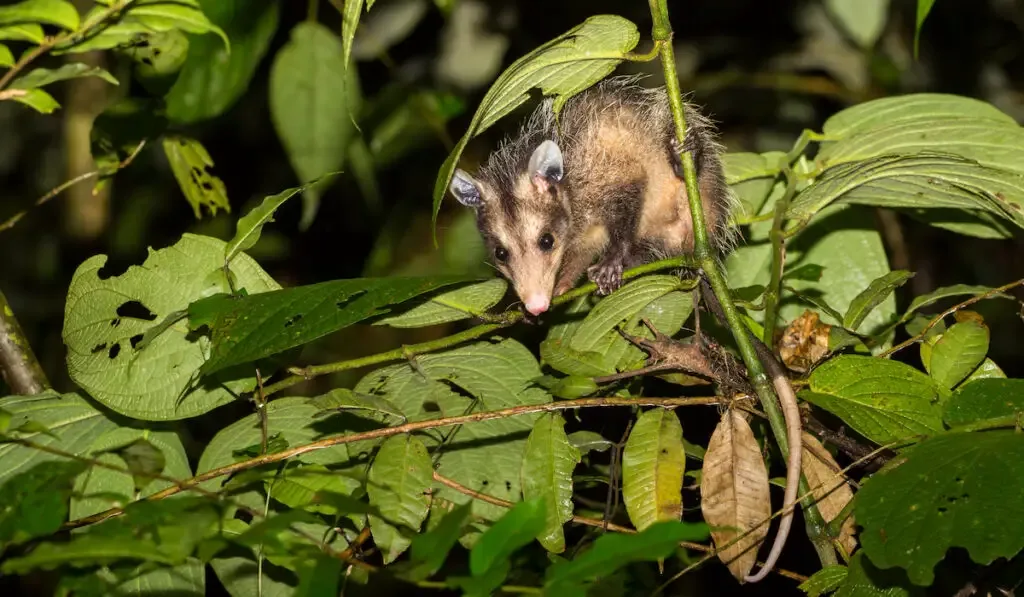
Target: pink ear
point(541, 183)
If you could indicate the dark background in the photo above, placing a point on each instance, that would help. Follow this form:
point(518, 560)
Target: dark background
point(756, 66)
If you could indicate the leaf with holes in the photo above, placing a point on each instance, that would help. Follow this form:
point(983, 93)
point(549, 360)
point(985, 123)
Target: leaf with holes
point(562, 67)
point(734, 493)
point(248, 328)
point(52, 12)
point(452, 305)
point(957, 352)
point(214, 76)
point(487, 455)
point(883, 400)
point(107, 317)
point(653, 463)
point(192, 166)
point(612, 551)
point(548, 463)
point(985, 399)
point(68, 423)
point(399, 487)
point(313, 100)
point(41, 77)
point(950, 491)
point(872, 296)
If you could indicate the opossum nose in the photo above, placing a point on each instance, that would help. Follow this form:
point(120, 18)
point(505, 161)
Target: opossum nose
point(537, 303)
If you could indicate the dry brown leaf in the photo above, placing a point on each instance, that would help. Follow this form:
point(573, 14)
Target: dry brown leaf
point(831, 489)
point(734, 492)
point(804, 342)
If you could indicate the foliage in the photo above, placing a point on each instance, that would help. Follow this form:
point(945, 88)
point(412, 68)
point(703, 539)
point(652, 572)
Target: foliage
point(478, 441)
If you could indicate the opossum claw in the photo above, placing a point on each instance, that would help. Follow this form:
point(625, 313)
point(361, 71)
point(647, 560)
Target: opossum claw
point(607, 274)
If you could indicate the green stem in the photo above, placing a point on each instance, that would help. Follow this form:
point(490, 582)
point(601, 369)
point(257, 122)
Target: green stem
point(773, 293)
point(18, 364)
point(662, 31)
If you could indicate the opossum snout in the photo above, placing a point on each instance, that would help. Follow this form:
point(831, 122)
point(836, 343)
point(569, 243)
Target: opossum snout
point(537, 303)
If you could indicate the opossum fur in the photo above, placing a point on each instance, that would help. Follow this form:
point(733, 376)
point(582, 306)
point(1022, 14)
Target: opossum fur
point(600, 182)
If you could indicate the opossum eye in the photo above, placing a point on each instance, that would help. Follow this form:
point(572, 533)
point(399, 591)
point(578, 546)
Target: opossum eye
point(501, 254)
point(546, 242)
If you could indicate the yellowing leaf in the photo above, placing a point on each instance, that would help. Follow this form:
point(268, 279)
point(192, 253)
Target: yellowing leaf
point(830, 488)
point(653, 464)
point(734, 493)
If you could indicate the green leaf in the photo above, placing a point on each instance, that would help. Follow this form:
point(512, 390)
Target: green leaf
point(250, 226)
point(488, 376)
point(515, 529)
point(863, 20)
point(344, 398)
point(872, 296)
point(144, 460)
point(349, 23)
point(557, 355)
point(313, 98)
point(159, 59)
point(864, 579)
point(386, 27)
point(429, 550)
point(44, 76)
point(52, 12)
point(620, 306)
point(548, 463)
point(888, 112)
point(184, 15)
point(321, 577)
point(562, 67)
point(37, 99)
point(29, 32)
point(613, 551)
point(192, 167)
point(924, 180)
point(882, 400)
point(986, 370)
point(923, 8)
point(399, 487)
point(950, 491)
point(6, 57)
point(946, 292)
point(214, 77)
point(71, 424)
point(573, 387)
point(809, 273)
point(248, 328)
point(316, 488)
point(35, 502)
point(824, 581)
point(106, 317)
point(585, 441)
point(451, 305)
point(102, 489)
point(958, 352)
point(653, 463)
point(984, 399)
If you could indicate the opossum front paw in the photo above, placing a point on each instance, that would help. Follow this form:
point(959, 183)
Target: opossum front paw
point(688, 144)
point(607, 275)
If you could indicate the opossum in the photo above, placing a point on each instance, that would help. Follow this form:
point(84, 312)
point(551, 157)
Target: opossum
point(603, 182)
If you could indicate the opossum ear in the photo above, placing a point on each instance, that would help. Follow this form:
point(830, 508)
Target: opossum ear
point(546, 165)
point(465, 189)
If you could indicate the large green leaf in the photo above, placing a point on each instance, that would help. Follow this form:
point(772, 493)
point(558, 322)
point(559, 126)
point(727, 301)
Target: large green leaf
point(247, 328)
point(869, 298)
point(36, 501)
point(985, 399)
point(107, 317)
point(881, 399)
point(71, 422)
point(950, 491)
point(52, 12)
point(489, 561)
point(452, 305)
point(864, 579)
point(891, 111)
point(562, 67)
point(313, 100)
point(547, 472)
point(213, 78)
point(957, 352)
point(486, 456)
point(399, 487)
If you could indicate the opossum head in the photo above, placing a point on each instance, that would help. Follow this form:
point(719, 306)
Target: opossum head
point(523, 216)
